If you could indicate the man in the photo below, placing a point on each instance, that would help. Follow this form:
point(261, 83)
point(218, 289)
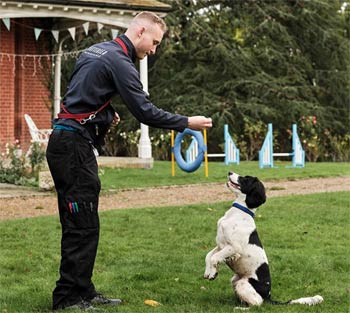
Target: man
point(102, 71)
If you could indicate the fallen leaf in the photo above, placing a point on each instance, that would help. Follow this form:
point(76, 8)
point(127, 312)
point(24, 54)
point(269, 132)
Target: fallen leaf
point(152, 303)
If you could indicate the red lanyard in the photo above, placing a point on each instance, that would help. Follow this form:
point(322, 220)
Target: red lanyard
point(122, 44)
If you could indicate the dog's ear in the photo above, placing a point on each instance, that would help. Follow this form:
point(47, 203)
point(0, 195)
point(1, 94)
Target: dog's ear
point(254, 190)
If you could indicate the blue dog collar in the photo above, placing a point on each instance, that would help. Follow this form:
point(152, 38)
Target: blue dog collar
point(244, 209)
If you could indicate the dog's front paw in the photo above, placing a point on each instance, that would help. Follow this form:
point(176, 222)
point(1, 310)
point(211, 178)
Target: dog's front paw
point(207, 272)
point(210, 275)
point(213, 276)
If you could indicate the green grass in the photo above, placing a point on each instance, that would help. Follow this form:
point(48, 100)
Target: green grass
point(160, 175)
point(159, 254)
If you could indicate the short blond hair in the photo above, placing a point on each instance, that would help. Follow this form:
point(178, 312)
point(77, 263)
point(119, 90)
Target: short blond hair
point(150, 17)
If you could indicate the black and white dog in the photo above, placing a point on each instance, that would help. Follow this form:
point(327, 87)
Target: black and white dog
point(239, 246)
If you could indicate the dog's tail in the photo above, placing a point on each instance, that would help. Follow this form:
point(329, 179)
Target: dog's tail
point(306, 301)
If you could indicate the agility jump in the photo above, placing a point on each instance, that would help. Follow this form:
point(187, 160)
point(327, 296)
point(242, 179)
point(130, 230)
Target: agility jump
point(266, 153)
point(197, 151)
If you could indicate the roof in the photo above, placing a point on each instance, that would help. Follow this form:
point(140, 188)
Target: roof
point(109, 12)
point(152, 5)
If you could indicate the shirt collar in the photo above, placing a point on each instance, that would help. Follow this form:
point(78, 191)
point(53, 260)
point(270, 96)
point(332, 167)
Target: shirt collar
point(130, 46)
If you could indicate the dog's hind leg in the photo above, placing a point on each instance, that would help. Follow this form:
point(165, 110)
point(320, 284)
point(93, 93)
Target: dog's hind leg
point(208, 265)
point(234, 281)
point(246, 292)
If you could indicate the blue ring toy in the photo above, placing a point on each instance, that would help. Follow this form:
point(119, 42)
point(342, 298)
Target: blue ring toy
point(189, 167)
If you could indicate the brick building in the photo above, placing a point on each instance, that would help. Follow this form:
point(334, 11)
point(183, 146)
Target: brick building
point(23, 81)
point(26, 59)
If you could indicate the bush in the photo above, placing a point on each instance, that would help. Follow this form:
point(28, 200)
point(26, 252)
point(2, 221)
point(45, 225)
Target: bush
point(251, 140)
point(321, 144)
point(36, 158)
point(14, 167)
point(161, 144)
point(121, 143)
point(125, 143)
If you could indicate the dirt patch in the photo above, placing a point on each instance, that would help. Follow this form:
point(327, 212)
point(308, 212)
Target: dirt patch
point(45, 203)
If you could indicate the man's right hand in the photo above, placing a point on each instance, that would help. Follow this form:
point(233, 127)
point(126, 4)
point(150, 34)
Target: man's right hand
point(199, 122)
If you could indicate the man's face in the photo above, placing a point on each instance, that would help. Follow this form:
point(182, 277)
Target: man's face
point(150, 37)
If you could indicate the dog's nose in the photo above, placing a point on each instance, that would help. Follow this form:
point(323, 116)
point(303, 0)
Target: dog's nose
point(230, 173)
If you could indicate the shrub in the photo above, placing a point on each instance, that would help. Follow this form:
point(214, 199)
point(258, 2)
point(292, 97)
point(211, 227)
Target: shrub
point(321, 144)
point(14, 167)
point(251, 140)
point(36, 158)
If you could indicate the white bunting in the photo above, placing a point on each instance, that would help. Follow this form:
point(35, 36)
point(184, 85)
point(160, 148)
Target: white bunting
point(72, 32)
point(55, 34)
point(37, 32)
point(6, 21)
point(86, 28)
point(99, 27)
point(115, 33)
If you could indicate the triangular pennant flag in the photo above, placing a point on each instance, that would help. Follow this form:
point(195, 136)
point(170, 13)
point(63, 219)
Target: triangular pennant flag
point(99, 27)
point(6, 21)
point(114, 33)
point(86, 27)
point(37, 32)
point(72, 32)
point(55, 34)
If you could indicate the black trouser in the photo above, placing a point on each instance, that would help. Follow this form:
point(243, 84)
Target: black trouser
point(74, 170)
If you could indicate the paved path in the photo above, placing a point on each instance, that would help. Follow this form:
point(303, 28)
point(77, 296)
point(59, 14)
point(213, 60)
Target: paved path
point(22, 202)
point(13, 191)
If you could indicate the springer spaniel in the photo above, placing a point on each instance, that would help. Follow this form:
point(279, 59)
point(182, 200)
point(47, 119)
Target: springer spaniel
point(239, 246)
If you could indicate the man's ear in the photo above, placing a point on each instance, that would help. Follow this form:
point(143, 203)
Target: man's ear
point(141, 31)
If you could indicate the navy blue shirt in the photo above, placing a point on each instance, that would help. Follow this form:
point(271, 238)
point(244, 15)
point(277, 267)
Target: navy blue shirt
point(101, 72)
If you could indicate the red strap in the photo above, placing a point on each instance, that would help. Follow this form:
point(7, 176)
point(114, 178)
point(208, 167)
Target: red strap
point(122, 44)
point(82, 118)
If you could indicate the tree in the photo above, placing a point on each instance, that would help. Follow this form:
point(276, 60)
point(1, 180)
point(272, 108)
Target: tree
point(270, 61)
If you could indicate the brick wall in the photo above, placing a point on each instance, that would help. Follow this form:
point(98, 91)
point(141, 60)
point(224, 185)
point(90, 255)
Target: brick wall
point(7, 45)
point(23, 82)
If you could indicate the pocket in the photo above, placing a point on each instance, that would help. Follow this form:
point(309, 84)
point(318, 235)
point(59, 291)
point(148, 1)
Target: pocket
point(79, 213)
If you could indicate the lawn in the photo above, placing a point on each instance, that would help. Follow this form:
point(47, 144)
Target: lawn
point(160, 175)
point(159, 254)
